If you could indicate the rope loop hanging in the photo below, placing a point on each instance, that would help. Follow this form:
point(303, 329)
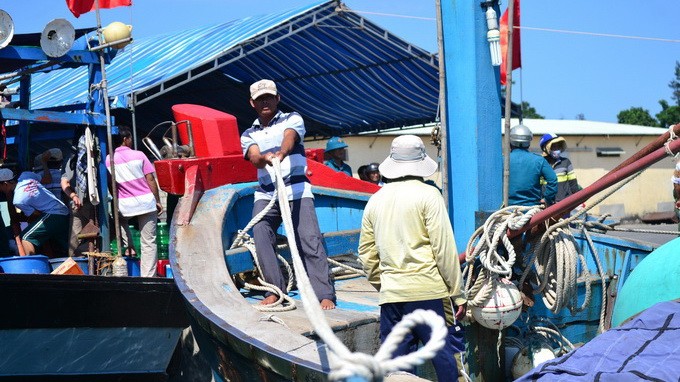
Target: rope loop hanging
point(344, 363)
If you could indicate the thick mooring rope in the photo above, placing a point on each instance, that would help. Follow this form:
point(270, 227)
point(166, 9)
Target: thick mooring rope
point(346, 364)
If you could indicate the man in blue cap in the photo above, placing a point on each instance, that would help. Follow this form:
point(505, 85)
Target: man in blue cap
point(336, 151)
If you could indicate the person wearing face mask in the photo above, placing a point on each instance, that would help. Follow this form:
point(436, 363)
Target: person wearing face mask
point(553, 146)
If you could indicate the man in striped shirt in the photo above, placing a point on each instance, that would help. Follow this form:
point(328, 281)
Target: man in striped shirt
point(278, 134)
point(137, 197)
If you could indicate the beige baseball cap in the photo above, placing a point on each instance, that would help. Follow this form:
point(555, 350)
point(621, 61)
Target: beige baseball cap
point(262, 87)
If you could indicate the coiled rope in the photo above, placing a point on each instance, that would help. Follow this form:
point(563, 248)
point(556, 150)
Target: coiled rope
point(553, 262)
point(243, 239)
point(494, 265)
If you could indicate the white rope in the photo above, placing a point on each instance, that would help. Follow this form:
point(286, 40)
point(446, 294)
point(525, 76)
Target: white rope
point(671, 138)
point(243, 239)
point(350, 364)
point(487, 238)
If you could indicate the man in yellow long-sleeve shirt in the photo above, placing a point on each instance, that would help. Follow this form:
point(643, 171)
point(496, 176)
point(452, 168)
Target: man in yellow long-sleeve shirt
point(408, 251)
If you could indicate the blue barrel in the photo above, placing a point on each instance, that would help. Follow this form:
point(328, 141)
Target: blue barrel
point(80, 260)
point(25, 264)
point(132, 265)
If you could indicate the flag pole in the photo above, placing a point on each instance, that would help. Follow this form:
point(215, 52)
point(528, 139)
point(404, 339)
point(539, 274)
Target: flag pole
point(444, 169)
point(508, 103)
point(107, 110)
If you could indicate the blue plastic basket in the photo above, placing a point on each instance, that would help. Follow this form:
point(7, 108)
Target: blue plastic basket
point(25, 264)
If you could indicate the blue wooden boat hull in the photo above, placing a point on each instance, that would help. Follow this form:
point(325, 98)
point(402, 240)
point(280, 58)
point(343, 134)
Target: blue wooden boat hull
point(240, 341)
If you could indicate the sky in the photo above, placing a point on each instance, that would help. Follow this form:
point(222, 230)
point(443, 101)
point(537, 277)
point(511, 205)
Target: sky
point(563, 75)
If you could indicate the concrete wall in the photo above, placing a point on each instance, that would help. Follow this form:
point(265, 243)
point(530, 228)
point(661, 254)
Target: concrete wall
point(649, 192)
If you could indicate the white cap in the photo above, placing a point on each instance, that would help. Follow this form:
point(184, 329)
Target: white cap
point(262, 87)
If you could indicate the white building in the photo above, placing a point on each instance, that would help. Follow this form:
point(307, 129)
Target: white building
point(593, 147)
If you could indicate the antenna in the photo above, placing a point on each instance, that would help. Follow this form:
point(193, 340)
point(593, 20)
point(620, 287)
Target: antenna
point(6, 29)
point(57, 38)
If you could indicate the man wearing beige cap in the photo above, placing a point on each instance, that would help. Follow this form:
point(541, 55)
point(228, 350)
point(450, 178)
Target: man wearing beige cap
point(48, 165)
point(409, 254)
point(277, 134)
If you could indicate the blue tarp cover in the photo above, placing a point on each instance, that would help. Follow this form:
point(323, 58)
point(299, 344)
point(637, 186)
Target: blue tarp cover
point(647, 348)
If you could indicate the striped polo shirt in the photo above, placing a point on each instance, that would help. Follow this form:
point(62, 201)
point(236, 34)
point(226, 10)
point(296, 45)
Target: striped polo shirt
point(134, 195)
point(293, 167)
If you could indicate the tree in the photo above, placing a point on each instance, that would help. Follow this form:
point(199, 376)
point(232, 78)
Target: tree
point(581, 117)
point(636, 116)
point(530, 112)
point(669, 115)
point(675, 84)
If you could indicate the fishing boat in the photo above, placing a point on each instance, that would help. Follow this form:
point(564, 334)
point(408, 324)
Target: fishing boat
point(84, 325)
point(245, 343)
point(202, 163)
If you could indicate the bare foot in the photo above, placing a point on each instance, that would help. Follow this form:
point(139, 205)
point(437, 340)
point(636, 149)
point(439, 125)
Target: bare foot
point(327, 304)
point(269, 300)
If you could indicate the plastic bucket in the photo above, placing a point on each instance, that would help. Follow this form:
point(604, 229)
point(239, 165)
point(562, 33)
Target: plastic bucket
point(80, 260)
point(132, 265)
point(25, 264)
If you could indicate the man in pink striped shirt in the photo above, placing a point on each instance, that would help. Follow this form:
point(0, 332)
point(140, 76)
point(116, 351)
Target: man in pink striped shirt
point(137, 197)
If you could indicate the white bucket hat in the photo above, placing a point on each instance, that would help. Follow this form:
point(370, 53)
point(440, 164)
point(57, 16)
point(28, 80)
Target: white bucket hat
point(407, 158)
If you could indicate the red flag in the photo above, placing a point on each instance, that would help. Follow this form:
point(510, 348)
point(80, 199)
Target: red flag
point(78, 7)
point(516, 51)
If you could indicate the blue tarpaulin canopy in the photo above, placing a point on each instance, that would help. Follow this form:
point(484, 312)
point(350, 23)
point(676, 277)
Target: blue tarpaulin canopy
point(343, 73)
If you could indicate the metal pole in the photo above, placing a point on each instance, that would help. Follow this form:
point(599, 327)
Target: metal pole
point(508, 104)
point(442, 107)
point(105, 93)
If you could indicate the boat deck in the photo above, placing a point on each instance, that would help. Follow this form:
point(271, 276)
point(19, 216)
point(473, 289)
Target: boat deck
point(357, 304)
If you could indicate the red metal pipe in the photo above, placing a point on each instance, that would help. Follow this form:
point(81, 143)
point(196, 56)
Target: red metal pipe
point(611, 178)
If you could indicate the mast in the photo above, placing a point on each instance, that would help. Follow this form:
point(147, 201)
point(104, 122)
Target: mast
point(107, 110)
point(474, 155)
point(444, 170)
point(472, 116)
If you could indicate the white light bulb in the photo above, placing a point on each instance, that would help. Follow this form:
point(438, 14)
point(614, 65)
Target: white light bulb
point(494, 38)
